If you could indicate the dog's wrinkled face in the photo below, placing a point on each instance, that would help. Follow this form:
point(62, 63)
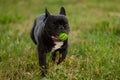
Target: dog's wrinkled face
point(56, 24)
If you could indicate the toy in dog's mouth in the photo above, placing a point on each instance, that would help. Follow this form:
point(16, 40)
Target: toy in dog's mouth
point(60, 37)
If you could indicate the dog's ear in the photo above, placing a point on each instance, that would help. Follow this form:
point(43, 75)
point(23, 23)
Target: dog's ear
point(62, 11)
point(46, 13)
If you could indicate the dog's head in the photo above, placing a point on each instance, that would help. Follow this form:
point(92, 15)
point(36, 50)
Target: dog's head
point(56, 24)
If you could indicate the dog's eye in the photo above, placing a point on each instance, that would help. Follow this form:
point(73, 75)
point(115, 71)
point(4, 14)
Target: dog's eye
point(65, 25)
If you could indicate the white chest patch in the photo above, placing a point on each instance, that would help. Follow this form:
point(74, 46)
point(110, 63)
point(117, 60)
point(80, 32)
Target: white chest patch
point(57, 46)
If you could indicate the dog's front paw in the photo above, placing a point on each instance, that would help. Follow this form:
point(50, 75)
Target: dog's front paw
point(43, 71)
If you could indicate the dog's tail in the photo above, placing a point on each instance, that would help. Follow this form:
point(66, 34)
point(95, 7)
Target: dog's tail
point(32, 32)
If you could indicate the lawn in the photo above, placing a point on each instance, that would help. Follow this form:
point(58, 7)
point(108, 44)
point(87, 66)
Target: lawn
point(94, 40)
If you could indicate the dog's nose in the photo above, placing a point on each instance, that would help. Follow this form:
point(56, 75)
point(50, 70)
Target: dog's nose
point(61, 27)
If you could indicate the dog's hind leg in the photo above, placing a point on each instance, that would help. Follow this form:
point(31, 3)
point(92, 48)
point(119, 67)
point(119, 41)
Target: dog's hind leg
point(32, 32)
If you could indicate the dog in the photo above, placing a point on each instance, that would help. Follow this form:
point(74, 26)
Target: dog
point(44, 34)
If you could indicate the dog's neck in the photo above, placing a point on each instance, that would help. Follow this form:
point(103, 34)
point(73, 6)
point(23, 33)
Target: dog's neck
point(58, 44)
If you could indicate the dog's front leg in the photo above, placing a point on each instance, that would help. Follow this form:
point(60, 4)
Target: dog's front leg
point(63, 53)
point(42, 60)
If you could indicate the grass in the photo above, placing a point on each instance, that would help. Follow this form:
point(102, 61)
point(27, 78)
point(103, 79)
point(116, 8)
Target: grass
point(94, 40)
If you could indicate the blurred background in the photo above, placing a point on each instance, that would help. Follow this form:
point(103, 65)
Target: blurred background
point(94, 40)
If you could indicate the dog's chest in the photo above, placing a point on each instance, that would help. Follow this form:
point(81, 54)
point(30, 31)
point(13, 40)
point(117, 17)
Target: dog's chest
point(57, 46)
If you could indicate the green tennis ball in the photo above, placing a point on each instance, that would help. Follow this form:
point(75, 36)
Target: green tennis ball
point(63, 36)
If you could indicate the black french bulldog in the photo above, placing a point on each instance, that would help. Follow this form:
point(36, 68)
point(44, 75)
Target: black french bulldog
point(45, 33)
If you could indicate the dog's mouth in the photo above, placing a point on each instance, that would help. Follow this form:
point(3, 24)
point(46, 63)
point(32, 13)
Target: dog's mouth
point(55, 38)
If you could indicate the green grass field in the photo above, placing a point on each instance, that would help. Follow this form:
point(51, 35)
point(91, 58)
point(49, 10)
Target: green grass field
point(94, 40)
